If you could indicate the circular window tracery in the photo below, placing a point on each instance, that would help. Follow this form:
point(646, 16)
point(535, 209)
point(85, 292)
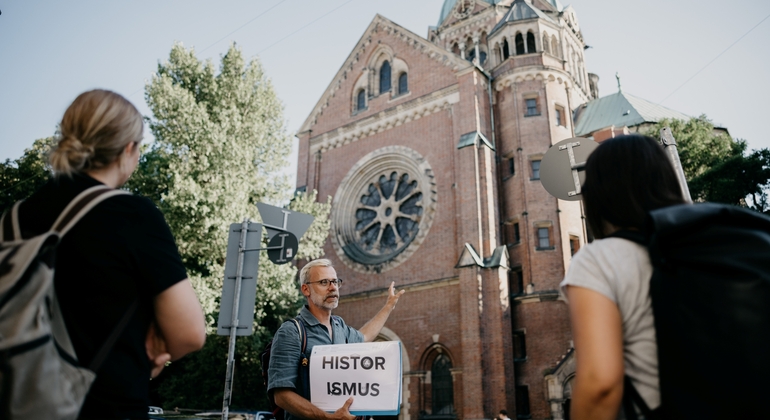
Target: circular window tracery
point(383, 209)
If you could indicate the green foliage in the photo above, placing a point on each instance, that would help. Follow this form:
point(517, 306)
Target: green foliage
point(22, 177)
point(718, 168)
point(220, 144)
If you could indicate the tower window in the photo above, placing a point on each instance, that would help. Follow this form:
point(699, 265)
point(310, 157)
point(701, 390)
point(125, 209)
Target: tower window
point(535, 169)
point(361, 100)
point(385, 77)
point(561, 116)
point(531, 107)
point(531, 43)
point(506, 50)
point(403, 84)
point(512, 236)
point(574, 244)
point(516, 282)
point(522, 401)
point(519, 44)
point(519, 346)
point(543, 238)
point(544, 232)
point(511, 167)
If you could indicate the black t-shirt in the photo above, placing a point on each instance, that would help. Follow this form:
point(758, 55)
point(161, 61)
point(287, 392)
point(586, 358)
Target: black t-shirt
point(121, 251)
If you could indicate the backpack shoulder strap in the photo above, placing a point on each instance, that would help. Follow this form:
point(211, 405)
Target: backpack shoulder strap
point(9, 226)
point(302, 333)
point(82, 204)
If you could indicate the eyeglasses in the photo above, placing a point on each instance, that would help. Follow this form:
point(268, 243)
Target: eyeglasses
point(326, 282)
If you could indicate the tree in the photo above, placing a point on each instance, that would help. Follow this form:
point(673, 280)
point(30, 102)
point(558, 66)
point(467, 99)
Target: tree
point(22, 177)
point(220, 144)
point(718, 168)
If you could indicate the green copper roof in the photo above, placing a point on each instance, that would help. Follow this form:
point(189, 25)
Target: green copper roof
point(621, 109)
point(446, 9)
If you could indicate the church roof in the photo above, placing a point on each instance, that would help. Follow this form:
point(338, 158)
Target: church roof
point(520, 10)
point(620, 109)
point(446, 9)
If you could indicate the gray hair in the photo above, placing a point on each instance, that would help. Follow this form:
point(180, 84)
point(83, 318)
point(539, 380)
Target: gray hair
point(304, 273)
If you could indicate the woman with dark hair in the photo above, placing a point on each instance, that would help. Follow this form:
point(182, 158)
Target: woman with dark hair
point(120, 255)
point(607, 285)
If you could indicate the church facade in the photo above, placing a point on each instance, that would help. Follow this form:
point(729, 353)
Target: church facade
point(431, 148)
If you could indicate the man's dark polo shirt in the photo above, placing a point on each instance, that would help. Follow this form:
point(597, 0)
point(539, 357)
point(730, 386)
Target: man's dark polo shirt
point(284, 356)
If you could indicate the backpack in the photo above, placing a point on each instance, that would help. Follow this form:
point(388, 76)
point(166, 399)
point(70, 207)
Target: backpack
point(303, 366)
point(710, 292)
point(40, 377)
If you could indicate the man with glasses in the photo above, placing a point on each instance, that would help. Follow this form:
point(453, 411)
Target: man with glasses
point(319, 283)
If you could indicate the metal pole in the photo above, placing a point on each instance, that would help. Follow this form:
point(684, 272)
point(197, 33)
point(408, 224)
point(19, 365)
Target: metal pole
point(234, 322)
point(669, 144)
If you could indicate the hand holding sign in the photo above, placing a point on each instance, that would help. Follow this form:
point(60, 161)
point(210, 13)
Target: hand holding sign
point(343, 413)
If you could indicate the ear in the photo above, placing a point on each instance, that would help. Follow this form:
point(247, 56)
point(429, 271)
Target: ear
point(305, 290)
point(131, 148)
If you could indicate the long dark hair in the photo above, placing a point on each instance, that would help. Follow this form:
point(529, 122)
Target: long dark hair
point(627, 177)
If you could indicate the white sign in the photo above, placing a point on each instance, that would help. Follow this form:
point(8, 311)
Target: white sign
point(368, 372)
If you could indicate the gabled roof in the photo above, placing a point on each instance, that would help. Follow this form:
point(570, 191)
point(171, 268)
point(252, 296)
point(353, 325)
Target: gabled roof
point(621, 109)
point(446, 9)
point(520, 10)
point(408, 37)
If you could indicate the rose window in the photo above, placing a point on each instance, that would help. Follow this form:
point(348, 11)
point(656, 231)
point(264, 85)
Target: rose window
point(383, 209)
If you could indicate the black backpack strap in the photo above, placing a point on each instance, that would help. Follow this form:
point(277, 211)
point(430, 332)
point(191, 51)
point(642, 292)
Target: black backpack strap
point(72, 213)
point(304, 360)
point(9, 226)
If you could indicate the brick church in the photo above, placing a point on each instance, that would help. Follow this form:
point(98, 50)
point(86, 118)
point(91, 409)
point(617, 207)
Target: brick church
point(431, 149)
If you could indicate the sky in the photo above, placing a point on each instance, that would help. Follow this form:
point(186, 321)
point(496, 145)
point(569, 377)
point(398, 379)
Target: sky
point(698, 57)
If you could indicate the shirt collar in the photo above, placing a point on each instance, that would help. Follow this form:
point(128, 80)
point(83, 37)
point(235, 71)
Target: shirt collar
point(308, 316)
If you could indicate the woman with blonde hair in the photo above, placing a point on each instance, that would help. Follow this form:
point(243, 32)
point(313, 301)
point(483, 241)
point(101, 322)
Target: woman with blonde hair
point(119, 261)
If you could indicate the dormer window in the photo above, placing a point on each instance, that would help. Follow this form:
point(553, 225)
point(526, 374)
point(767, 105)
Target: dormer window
point(385, 77)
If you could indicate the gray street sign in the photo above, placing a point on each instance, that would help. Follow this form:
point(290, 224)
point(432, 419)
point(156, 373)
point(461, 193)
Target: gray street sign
point(248, 291)
point(277, 219)
point(561, 169)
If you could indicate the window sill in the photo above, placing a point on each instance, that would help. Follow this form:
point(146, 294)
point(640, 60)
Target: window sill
point(550, 248)
point(535, 179)
point(532, 115)
point(359, 111)
point(512, 244)
point(519, 360)
point(507, 177)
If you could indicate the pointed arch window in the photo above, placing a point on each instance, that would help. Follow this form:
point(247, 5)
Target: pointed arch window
point(546, 47)
point(442, 390)
point(403, 84)
point(361, 100)
point(519, 44)
point(385, 77)
point(531, 43)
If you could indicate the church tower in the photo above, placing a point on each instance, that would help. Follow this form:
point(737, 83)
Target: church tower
point(430, 148)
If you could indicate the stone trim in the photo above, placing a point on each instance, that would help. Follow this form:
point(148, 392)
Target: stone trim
point(387, 119)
